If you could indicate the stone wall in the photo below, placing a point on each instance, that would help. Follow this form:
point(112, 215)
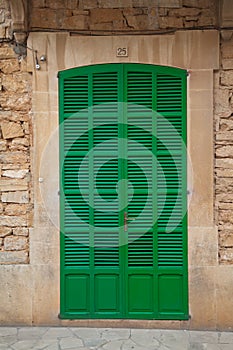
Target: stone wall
point(15, 143)
point(122, 15)
point(224, 149)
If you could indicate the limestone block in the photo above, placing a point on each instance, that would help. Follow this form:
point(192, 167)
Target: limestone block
point(225, 216)
point(222, 205)
point(170, 3)
point(14, 158)
point(6, 53)
point(196, 3)
point(102, 15)
point(17, 83)
point(221, 101)
point(226, 238)
point(224, 136)
point(44, 18)
point(205, 21)
point(72, 4)
point(202, 292)
point(16, 102)
point(13, 257)
point(58, 4)
point(11, 130)
point(38, 3)
point(226, 124)
point(3, 145)
point(224, 151)
point(13, 221)
point(227, 63)
point(15, 243)
point(224, 278)
point(20, 231)
point(227, 48)
point(226, 255)
point(5, 231)
point(185, 12)
point(75, 22)
point(16, 209)
point(227, 77)
point(1, 241)
point(170, 22)
point(13, 185)
point(9, 66)
point(111, 4)
point(224, 194)
point(15, 174)
point(224, 172)
point(16, 197)
point(224, 163)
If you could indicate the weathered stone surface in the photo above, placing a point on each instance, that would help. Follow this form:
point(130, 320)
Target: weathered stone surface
point(222, 205)
point(15, 243)
point(224, 173)
point(226, 255)
point(77, 22)
point(13, 221)
point(15, 197)
point(225, 125)
point(224, 163)
point(105, 15)
point(11, 130)
point(185, 12)
point(226, 238)
point(17, 101)
point(16, 257)
point(111, 4)
point(225, 136)
point(170, 22)
point(196, 3)
point(225, 152)
point(6, 53)
point(15, 174)
point(205, 21)
point(226, 216)
point(221, 102)
point(13, 185)
point(170, 3)
point(44, 18)
point(16, 209)
point(14, 158)
point(72, 4)
point(21, 231)
point(88, 4)
point(3, 145)
point(227, 48)
point(9, 66)
point(5, 231)
point(227, 78)
point(1, 207)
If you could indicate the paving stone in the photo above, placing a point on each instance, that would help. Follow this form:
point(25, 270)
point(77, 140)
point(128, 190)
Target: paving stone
point(8, 331)
point(226, 337)
point(8, 339)
point(57, 332)
point(28, 333)
point(203, 337)
point(114, 334)
point(24, 344)
point(145, 337)
point(70, 343)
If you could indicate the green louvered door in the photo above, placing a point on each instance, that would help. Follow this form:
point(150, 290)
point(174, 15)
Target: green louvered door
point(123, 192)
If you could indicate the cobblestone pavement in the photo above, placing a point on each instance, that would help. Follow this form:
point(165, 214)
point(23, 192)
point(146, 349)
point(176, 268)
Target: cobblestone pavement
point(70, 338)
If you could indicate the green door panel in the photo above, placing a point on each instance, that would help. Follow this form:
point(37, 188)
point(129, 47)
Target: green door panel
point(123, 192)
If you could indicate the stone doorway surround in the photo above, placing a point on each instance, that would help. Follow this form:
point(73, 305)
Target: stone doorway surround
point(196, 51)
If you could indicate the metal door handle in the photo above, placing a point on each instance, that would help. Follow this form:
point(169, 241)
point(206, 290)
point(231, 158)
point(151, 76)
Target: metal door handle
point(126, 218)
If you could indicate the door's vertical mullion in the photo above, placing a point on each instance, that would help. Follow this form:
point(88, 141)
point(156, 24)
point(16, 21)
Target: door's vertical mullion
point(91, 192)
point(184, 189)
point(155, 192)
point(122, 198)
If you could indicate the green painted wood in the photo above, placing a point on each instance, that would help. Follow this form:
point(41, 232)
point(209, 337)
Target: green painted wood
point(122, 152)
